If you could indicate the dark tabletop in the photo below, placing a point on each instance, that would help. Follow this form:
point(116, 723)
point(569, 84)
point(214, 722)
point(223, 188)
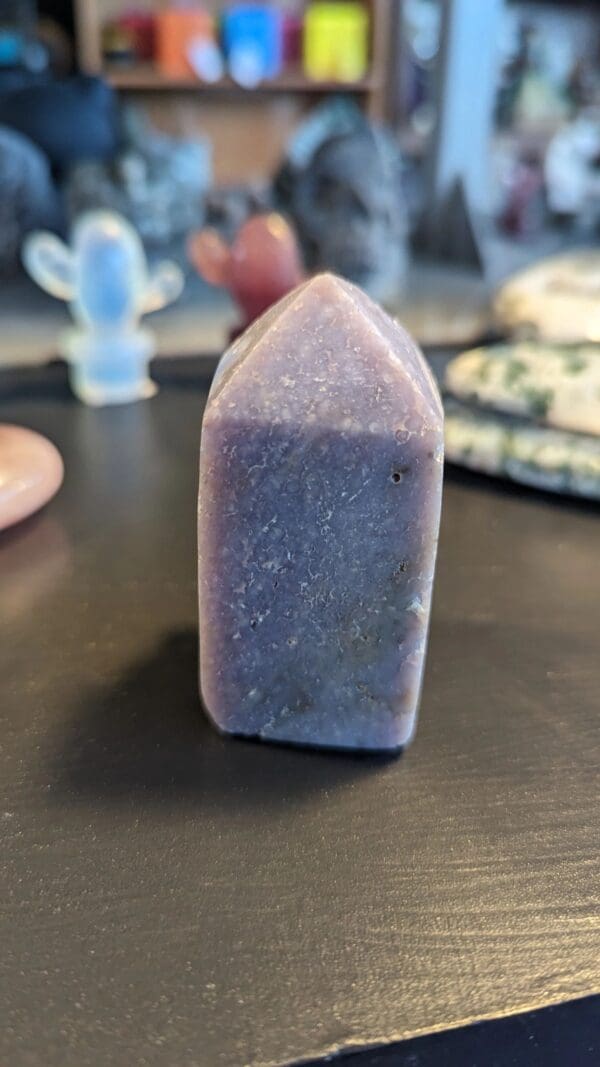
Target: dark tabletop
point(172, 898)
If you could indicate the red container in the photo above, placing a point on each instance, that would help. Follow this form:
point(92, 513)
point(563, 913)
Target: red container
point(139, 25)
point(292, 39)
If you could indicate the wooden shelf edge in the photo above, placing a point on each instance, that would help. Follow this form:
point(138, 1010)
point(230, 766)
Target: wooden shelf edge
point(149, 79)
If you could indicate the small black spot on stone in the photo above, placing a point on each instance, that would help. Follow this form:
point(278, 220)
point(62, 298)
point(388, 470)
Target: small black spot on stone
point(304, 702)
point(400, 570)
point(398, 474)
point(253, 624)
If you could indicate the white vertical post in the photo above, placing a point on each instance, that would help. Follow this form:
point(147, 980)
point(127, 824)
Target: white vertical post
point(467, 82)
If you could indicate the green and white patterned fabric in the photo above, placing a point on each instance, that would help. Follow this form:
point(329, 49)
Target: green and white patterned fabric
point(556, 385)
point(520, 449)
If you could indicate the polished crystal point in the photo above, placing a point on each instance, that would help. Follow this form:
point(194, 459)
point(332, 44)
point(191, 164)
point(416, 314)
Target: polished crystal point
point(320, 491)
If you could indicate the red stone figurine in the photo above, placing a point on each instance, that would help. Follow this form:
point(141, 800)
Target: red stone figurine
point(258, 268)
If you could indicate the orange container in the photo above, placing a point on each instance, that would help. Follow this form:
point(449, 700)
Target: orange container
point(176, 30)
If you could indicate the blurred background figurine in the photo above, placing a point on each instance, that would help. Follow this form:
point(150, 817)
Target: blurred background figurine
point(571, 171)
point(155, 180)
point(260, 266)
point(342, 186)
point(524, 210)
point(105, 278)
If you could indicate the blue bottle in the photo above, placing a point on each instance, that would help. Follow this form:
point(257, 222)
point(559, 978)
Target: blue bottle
point(253, 43)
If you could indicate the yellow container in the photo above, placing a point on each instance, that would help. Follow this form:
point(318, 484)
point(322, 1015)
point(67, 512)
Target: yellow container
point(336, 41)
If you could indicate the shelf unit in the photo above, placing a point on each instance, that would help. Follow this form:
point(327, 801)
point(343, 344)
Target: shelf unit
point(258, 121)
point(91, 14)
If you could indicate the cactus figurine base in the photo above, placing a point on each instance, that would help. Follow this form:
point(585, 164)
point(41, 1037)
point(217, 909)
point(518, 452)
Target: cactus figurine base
point(105, 278)
point(111, 369)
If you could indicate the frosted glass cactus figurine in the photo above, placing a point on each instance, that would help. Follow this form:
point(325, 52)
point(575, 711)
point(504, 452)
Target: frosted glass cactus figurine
point(105, 278)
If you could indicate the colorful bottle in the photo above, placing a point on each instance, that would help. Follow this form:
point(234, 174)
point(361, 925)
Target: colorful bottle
point(253, 41)
point(336, 41)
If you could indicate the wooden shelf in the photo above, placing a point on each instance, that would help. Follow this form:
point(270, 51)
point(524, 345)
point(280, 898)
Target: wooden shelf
point(145, 77)
point(249, 129)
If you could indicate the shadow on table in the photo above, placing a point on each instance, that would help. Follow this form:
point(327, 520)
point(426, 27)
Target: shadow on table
point(503, 488)
point(34, 556)
point(146, 734)
point(550, 1037)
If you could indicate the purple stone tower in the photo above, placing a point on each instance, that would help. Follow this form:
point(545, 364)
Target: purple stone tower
point(320, 491)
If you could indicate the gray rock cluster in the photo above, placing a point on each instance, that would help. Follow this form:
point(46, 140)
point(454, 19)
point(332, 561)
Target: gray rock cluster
point(342, 186)
point(27, 195)
point(156, 181)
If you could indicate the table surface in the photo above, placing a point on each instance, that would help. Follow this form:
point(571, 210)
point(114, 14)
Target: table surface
point(173, 898)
